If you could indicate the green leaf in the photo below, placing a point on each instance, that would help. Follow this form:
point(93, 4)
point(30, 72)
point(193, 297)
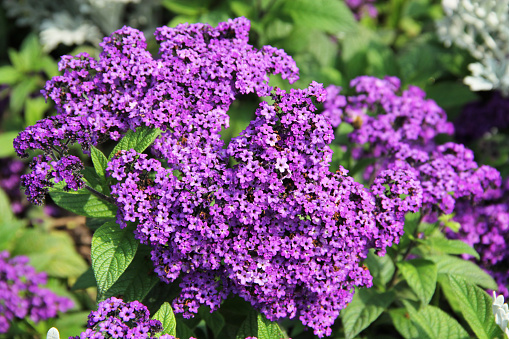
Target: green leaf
point(100, 161)
point(139, 140)
point(167, 318)
point(449, 246)
point(256, 325)
point(476, 307)
point(433, 323)
point(6, 139)
point(215, 321)
point(421, 276)
point(20, 93)
point(366, 306)
point(9, 75)
point(85, 280)
point(113, 249)
point(403, 324)
point(84, 203)
point(381, 268)
point(34, 110)
point(53, 253)
point(183, 331)
point(137, 280)
point(329, 16)
point(448, 265)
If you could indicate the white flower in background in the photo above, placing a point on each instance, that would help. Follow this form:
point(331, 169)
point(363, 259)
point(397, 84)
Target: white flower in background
point(62, 28)
point(75, 22)
point(501, 312)
point(482, 28)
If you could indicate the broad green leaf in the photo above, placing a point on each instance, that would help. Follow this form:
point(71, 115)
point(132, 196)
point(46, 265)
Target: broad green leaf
point(366, 306)
point(100, 161)
point(183, 331)
point(92, 179)
point(268, 329)
point(256, 325)
point(53, 253)
point(448, 265)
point(31, 52)
point(330, 16)
point(34, 110)
point(449, 246)
point(84, 203)
point(139, 140)
point(215, 321)
point(381, 268)
point(167, 318)
point(113, 249)
point(85, 280)
point(20, 93)
point(9, 75)
point(433, 323)
point(137, 280)
point(476, 307)
point(421, 276)
point(403, 324)
point(6, 139)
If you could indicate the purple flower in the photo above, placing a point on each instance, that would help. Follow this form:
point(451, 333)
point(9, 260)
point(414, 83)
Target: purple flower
point(115, 318)
point(21, 295)
point(277, 228)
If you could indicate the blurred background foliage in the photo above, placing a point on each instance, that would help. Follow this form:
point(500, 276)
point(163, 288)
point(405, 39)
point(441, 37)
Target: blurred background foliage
point(323, 36)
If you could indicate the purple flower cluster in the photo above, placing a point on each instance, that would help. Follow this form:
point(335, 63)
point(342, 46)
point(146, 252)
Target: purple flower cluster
point(53, 136)
point(479, 117)
point(277, 228)
point(21, 295)
point(485, 227)
point(394, 127)
point(200, 71)
point(115, 318)
point(361, 8)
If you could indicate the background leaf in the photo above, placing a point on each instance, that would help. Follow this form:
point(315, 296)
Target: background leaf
point(421, 276)
point(366, 306)
point(448, 265)
point(475, 305)
point(433, 323)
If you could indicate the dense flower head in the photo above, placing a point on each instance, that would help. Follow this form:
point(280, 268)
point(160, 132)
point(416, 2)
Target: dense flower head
point(391, 127)
point(21, 294)
point(115, 318)
point(277, 228)
point(485, 227)
point(199, 72)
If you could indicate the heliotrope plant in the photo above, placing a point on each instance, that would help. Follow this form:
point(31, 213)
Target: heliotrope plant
point(262, 218)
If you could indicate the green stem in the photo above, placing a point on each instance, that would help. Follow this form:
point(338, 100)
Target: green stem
point(101, 195)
